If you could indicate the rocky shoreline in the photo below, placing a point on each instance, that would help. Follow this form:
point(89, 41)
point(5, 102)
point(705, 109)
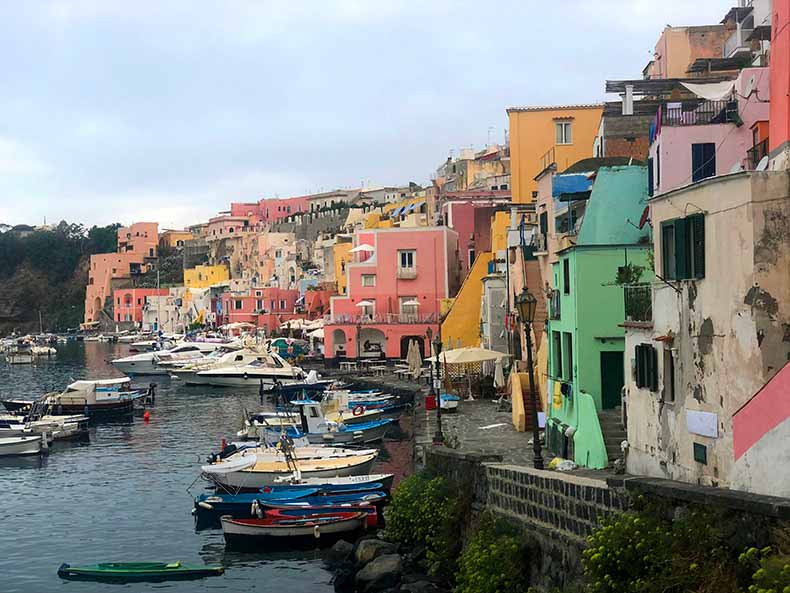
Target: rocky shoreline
point(372, 565)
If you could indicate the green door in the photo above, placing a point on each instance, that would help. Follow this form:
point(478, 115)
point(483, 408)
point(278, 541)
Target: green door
point(612, 379)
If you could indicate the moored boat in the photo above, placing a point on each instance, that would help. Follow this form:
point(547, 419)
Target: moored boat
point(148, 363)
point(137, 571)
point(283, 531)
point(271, 371)
point(21, 445)
point(93, 398)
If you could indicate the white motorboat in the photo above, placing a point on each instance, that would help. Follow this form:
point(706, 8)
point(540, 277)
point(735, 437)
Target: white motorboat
point(300, 453)
point(148, 363)
point(188, 373)
point(98, 397)
point(58, 427)
point(253, 472)
point(273, 368)
point(21, 445)
point(43, 351)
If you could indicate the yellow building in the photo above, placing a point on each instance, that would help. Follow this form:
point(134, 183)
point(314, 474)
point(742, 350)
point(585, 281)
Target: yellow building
point(342, 259)
point(204, 276)
point(540, 136)
point(171, 238)
point(461, 325)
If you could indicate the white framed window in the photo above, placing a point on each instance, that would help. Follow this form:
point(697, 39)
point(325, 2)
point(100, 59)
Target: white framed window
point(407, 259)
point(282, 305)
point(237, 304)
point(259, 305)
point(408, 308)
point(369, 310)
point(368, 280)
point(564, 134)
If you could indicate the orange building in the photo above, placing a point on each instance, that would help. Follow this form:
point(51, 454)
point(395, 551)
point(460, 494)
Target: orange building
point(137, 246)
point(542, 136)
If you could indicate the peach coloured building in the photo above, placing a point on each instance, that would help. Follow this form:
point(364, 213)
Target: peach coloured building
point(137, 247)
point(270, 210)
point(128, 303)
point(396, 284)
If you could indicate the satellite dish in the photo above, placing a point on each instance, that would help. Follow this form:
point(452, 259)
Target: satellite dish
point(644, 218)
point(735, 168)
point(763, 164)
point(749, 89)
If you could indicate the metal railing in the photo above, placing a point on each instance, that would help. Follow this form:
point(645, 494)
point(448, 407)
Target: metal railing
point(757, 152)
point(555, 308)
point(699, 113)
point(736, 41)
point(547, 159)
point(381, 318)
point(638, 302)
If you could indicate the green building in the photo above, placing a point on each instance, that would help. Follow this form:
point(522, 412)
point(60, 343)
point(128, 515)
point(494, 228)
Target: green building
point(586, 308)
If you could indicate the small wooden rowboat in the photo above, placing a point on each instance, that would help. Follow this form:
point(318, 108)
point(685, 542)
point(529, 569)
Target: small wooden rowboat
point(310, 512)
point(137, 571)
point(279, 530)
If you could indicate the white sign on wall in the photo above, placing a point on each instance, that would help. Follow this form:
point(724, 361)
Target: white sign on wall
point(705, 424)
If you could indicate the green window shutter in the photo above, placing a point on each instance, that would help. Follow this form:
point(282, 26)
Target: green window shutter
point(653, 368)
point(640, 366)
point(667, 237)
point(698, 247)
point(682, 251)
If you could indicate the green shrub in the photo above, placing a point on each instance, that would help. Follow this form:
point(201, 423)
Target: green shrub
point(495, 561)
point(771, 573)
point(425, 511)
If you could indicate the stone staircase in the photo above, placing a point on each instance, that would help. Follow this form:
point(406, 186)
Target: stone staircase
point(613, 432)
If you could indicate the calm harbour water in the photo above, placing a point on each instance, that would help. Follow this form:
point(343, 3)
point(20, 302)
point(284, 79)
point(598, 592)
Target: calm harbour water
point(123, 495)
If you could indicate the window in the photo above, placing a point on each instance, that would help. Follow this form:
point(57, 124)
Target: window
point(566, 276)
point(237, 304)
point(567, 339)
point(683, 248)
point(406, 258)
point(369, 310)
point(646, 367)
point(703, 161)
point(650, 177)
point(368, 280)
point(563, 132)
point(669, 376)
point(119, 301)
point(259, 305)
point(503, 186)
point(556, 348)
point(282, 305)
point(274, 305)
point(278, 253)
point(257, 293)
point(471, 258)
point(408, 306)
point(138, 301)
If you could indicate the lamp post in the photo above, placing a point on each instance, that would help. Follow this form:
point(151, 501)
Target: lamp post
point(526, 304)
point(358, 348)
point(429, 335)
point(438, 438)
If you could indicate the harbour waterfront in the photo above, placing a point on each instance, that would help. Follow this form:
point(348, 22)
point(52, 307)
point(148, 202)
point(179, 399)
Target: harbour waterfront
point(123, 496)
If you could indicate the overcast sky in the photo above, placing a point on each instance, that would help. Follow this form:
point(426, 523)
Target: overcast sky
point(169, 110)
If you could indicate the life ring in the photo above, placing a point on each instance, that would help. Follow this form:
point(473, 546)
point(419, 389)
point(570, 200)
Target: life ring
point(358, 410)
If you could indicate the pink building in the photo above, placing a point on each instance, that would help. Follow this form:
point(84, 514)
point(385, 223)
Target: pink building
point(779, 141)
point(228, 226)
point(396, 284)
point(128, 302)
point(695, 139)
point(469, 214)
point(269, 210)
point(266, 308)
point(137, 248)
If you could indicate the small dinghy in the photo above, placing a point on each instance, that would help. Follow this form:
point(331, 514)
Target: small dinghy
point(309, 512)
point(292, 531)
point(336, 484)
point(137, 571)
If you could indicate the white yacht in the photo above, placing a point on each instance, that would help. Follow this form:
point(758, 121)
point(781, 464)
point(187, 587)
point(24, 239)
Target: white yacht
point(148, 363)
point(266, 370)
point(188, 372)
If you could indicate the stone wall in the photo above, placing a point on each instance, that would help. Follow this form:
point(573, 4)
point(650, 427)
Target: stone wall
point(557, 511)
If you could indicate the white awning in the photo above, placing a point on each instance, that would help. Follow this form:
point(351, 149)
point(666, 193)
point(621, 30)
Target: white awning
point(712, 91)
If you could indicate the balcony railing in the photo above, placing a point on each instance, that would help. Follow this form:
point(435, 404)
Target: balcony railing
point(407, 273)
point(757, 152)
point(555, 309)
point(638, 303)
point(381, 318)
point(699, 113)
point(547, 159)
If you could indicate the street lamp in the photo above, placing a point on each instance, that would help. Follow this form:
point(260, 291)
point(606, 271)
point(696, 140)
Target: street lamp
point(359, 350)
point(429, 334)
point(438, 438)
point(526, 304)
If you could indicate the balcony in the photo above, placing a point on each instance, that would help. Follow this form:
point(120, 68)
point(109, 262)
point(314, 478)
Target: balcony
point(638, 303)
point(695, 112)
point(381, 318)
point(737, 42)
point(756, 153)
point(548, 159)
point(407, 273)
point(555, 308)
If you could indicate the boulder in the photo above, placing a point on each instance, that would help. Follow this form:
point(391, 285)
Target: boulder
point(338, 553)
point(419, 587)
point(344, 579)
point(380, 574)
point(368, 549)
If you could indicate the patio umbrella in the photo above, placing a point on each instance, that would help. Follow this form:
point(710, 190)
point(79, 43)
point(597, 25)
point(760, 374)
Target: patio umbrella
point(468, 355)
point(365, 304)
point(499, 374)
point(317, 333)
point(414, 359)
point(364, 247)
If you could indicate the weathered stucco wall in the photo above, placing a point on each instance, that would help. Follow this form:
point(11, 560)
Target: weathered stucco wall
point(729, 332)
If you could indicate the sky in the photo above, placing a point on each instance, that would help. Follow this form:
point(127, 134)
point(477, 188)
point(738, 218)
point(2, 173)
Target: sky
point(168, 110)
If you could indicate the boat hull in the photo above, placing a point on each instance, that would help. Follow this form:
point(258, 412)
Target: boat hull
point(241, 534)
point(22, 445)
point(140, 367)
point(252, 381)
point(370, 435)
point(137, 572)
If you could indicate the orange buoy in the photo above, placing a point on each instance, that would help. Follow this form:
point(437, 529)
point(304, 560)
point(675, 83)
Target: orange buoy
point(146, 416)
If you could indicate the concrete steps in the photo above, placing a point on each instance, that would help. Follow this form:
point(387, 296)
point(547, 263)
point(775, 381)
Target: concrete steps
point(613, 432)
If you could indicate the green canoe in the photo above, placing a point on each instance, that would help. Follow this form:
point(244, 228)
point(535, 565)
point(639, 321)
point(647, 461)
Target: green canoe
point(137, 571)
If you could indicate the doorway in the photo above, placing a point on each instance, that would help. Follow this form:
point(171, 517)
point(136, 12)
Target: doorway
point(612, 379)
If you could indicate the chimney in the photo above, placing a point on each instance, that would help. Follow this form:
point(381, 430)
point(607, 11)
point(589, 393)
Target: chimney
point(628, 100)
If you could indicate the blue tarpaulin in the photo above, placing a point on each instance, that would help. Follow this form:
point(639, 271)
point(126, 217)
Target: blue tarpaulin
point(573, 183)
